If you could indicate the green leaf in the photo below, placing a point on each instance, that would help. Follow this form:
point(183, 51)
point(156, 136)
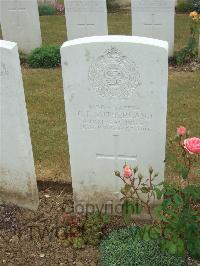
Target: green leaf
point(166, 203)
point(172, 248)
point(167, 232)
point(168, 246)
point(144, 190)
point(127, 210)
point(180, 247)
point(146, 233)
point(158, 193)
point(138, 208)
point(178, 200)
point(154, 232)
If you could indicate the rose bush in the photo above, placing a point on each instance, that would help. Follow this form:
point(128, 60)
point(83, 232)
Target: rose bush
point(175, 222)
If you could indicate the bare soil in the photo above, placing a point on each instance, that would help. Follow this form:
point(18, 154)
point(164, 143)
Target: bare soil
point(30, 238)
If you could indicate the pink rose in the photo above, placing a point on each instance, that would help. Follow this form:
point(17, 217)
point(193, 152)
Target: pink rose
point(128, 172)
point(181, 131)
point(192, 145)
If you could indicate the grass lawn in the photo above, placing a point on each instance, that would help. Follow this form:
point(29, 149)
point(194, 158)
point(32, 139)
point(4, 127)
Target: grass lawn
point(54, 30)
point(45, 103)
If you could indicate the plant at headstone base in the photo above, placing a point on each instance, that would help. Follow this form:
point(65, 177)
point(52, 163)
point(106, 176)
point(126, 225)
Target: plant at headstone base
point(45, 57)
point(176, 222)
point(46, 10)
point(196, 5)
point(60, 8)
point(71, 231)
point(79, 230)
point(138, 192)
point(93, 227)
point(190, 51)
point(112, 6)
point(184, 6)
point(122, 248)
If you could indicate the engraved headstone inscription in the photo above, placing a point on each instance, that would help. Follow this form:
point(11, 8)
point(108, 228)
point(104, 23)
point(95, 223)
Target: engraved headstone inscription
point(115, 91)
point(86, 18)
point(20, 23)
point(154, 19)
point(17, 172)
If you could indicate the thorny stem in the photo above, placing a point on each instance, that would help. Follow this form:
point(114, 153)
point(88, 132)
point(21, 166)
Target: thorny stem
point(142, 201)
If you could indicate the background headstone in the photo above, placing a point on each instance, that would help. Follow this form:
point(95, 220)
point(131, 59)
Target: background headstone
point(86, 18)
point(154, 19)
point(115, 91)
point(17, 173)
point(20, 23)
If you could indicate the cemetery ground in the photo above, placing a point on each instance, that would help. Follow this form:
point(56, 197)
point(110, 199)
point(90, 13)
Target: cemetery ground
point(45, 104)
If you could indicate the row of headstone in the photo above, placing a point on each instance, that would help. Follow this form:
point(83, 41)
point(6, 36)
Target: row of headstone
point(115, 112)
point(152, 18)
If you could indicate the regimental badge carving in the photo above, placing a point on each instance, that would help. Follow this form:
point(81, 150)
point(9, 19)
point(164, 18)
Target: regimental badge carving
point(113, 75)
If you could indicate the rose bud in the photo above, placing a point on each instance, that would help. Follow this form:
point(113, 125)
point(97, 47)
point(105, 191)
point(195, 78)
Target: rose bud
point(181, 131)
point(117, 173)
point(128, 172)
point(150, 170)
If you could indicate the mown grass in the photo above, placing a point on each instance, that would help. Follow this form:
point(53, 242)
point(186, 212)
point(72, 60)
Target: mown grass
point(183, 109)
point(45, 103)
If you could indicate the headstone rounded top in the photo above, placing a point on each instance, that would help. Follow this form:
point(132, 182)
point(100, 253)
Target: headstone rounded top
point(7, 44)
point(117, 38)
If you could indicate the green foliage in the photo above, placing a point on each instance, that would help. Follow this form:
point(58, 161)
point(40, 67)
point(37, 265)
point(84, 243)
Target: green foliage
point(123, 247)
point(46, 10)
point(184, 6)
point(45, 57)
point(176, 221)
point(187, 53)
point(79, 230)
point(112, 6)
point(179, 221)
point(93, 227)
point(196, 5)
point(190, 51)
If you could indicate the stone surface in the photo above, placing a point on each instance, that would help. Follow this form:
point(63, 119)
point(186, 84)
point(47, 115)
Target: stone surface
point(115, 91)
point(17, 173)
point(85, 18)
point(154, 19)
point(20, 23)
point(48, 2)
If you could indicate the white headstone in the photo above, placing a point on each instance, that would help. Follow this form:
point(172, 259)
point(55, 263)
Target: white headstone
point(86, 18)
point(115, 91)
point(17, 173)
point(154, 19)
point(20, 23)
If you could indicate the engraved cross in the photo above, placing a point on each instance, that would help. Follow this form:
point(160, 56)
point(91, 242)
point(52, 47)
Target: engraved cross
point(116, 156)
point(18, 12)
point(152, 24)
point(86, 26)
